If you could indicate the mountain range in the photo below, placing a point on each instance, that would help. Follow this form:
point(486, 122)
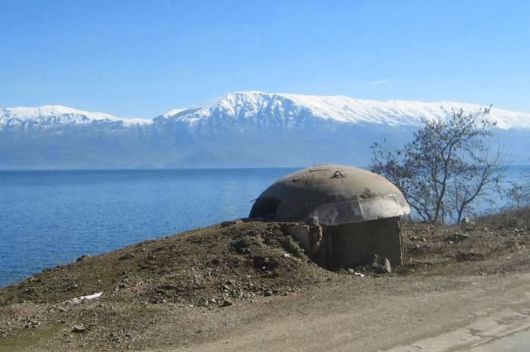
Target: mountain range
point(241, 129)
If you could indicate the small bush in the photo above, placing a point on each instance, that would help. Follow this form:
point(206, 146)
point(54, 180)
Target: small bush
point(291, 246)
point(242, 246)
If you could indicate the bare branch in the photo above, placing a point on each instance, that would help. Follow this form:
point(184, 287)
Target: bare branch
point(446, 168)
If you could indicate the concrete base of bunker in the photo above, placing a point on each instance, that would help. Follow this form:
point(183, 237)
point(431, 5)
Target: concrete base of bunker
point(350, 245)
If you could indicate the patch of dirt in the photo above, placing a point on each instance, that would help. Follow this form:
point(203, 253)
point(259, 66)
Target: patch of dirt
point(201, 267)
point(492, 244)
point(176, 291)
point(154, 283)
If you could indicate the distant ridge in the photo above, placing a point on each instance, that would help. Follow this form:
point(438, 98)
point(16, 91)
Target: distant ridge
point(288, 109)
point(282, 109)
point(50, 115)
point(240, 129)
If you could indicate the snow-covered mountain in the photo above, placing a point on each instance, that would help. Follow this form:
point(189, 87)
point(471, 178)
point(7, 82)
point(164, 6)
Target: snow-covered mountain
point(52, 116)
point(266, 110)
point(241, 129)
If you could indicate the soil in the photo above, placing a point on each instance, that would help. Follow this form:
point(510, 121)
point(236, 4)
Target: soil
point(235, 285)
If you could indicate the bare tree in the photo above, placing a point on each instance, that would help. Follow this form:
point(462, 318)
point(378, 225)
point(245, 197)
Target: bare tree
point(446, 168)
point(519, 194)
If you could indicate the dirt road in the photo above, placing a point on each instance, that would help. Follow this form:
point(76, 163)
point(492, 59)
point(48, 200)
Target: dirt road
point(431, 314)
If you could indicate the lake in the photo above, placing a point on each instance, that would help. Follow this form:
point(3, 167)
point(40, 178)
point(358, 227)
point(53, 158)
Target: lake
point(53, 217)
point(49, 218)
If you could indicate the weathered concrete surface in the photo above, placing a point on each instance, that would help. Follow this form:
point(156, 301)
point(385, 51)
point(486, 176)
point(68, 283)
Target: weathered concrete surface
point(334, 194)
point(348, 245)
point(350, 242)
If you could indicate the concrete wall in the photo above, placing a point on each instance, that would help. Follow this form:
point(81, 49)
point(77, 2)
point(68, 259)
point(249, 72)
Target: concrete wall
point(350, 244)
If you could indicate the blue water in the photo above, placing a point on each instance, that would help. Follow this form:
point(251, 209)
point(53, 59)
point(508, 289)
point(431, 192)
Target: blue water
point(53, 217)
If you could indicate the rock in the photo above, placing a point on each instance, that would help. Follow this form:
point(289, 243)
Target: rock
point(78, 328)
point(126, 256)
point(71, 286)
point(231, 222)
point(457, 237)
point(264, 263)
point(226, 303)
point(83, 257)
point(381, 265)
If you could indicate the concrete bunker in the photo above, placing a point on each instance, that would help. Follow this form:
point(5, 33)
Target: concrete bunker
point(348, 214)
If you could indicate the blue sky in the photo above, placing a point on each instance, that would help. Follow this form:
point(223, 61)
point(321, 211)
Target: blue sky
point(140, 58)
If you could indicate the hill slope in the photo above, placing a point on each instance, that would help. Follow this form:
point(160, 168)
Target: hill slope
point(226, 283)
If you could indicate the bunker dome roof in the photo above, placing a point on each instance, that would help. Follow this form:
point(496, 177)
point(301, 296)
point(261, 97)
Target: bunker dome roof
point(335, 194)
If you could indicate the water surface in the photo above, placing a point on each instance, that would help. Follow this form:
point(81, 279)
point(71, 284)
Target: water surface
point(53, 217)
